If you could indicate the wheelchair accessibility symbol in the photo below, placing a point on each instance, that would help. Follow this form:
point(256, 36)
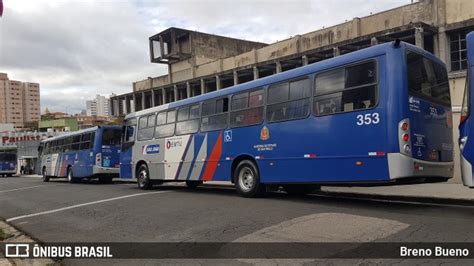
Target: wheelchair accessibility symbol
point(228, 136)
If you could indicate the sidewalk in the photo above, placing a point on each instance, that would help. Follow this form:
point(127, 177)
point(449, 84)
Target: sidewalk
point(449, 193)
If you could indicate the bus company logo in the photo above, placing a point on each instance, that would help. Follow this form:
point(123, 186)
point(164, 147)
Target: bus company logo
point(151, 149)
point(264, 133)
point(17, 250)
point(173, 143)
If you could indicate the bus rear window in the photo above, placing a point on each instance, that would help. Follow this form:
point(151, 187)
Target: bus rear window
point(7, 157)
point(427, 79)
point(111, 137)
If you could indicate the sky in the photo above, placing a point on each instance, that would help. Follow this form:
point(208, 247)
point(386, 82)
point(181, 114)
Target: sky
point(76, 49)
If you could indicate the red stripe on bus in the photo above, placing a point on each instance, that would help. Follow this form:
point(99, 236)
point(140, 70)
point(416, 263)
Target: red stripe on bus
point(213, 160)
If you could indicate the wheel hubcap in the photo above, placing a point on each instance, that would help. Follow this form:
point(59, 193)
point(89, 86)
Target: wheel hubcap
point(142, 177)
point(246, 179)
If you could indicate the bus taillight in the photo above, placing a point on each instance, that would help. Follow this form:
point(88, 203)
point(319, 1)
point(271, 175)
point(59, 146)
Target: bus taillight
point(463, 118)
point(404, 136)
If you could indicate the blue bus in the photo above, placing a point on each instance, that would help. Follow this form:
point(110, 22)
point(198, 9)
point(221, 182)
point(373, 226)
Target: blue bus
point(89, 153)
point(8, 162)
point(380, 115)
point(466, 133)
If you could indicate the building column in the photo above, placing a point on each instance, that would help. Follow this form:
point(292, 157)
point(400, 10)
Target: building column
point(419, 37)
point(134, 99)
point(188, 90)
point(304, 60)
point(278, 66)
point(163, 95)
point(255, 72)
point(143, 100)
point(203, 86)
point(218, 83)
point(175, 91)
point(236, 77)
point(124, 103)
point(153, 104)
point(374, 41)
point(441, 44)
point(336, 51)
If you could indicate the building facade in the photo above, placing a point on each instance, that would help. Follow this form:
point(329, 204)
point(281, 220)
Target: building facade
point(19, 102)
point(100, 106)
point(200, 63)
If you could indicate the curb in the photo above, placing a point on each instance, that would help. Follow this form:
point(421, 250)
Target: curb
point(16, 236)
point(399, 198)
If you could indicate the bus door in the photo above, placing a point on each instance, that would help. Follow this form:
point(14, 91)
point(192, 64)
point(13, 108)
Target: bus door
point(466, 133)
point(128, 139)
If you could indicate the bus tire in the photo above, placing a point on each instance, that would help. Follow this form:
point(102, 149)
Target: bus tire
point(143, 178)
point(299, 190)
point(193, 183)
point(247, 180)
point(45, 176)
point(70, 176)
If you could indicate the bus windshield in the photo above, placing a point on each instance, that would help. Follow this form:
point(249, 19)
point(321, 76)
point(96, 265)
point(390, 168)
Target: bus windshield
point(7, 157)
point(427, 79)
point(111, 137)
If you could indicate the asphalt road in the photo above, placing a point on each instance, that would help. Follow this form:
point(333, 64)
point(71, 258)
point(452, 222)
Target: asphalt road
point(90, 212)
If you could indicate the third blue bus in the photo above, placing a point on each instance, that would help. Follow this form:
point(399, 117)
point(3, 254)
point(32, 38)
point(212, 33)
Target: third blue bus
point(88, 153)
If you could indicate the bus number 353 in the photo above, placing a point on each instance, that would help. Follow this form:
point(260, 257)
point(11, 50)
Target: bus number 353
point(368, 119)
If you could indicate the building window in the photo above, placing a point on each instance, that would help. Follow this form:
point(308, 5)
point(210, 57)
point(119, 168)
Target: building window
point(458, 50)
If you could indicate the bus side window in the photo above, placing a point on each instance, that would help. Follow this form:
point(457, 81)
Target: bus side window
point(346, 89)
point(146, 127)
point(214, 114)
point(188, 120)
point(165, 124)
point(247, 108)
point(289, 100)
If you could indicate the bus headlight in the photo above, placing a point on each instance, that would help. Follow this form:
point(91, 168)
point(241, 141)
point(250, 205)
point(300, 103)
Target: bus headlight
point(462, 142)
point(98, 159)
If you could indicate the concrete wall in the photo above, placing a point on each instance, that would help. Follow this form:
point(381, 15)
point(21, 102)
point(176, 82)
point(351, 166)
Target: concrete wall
point(459, 10)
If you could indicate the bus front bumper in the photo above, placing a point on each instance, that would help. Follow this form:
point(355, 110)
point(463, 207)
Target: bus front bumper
point(8, 172)
point(401, 166)
point(99, 170)
point(466, 172)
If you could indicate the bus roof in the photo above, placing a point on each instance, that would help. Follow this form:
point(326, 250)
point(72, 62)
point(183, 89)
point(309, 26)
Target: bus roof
point(362, 54)
point(91, 129)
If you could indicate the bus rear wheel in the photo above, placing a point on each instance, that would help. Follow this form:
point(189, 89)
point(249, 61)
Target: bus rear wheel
point(193, 183)
point(247, 180)
point(70, 176)
point(45, 176)
point(143, 178)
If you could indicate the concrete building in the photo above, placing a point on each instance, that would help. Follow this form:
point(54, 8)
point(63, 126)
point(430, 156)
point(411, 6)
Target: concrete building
point(19, 102)
point(100, 106)
point(199, 63)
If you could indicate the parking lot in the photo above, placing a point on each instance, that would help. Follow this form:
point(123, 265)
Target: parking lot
point(90, 212)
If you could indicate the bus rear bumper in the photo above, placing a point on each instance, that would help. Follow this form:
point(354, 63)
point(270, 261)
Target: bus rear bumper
point(402, 166)
point(8, 172)
point(98, 170)
point(466, 172)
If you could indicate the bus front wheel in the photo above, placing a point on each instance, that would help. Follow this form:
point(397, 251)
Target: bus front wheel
point(143, 178)
point(247, 180)
point(45, 176)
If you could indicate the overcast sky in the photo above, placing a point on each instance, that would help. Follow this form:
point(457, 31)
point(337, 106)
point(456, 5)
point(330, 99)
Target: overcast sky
point(79, 48)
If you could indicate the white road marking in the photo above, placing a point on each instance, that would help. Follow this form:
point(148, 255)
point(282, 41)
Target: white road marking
point(22, 188)
point(82, 205)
